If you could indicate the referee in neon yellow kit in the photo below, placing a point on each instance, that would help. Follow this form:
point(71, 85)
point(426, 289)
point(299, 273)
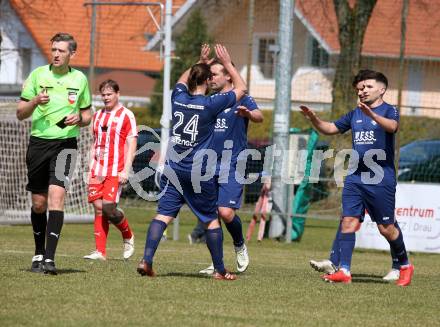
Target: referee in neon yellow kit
point(58, 99)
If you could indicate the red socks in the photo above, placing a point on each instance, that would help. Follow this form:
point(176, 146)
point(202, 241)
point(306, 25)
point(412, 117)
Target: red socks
point(124, 228)
point(101, 232)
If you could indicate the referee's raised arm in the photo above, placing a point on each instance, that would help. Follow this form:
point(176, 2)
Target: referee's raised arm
point(26, 107)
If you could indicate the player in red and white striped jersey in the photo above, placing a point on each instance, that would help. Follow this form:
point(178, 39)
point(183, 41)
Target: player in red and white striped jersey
point(115, 139)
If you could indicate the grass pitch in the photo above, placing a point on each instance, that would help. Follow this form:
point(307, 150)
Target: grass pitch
point(279, 288)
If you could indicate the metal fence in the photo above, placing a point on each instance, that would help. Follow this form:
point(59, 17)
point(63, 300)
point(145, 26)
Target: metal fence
point(249, 29)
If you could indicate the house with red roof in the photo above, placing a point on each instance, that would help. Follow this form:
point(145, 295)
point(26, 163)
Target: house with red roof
point(127, 43)
point(316, 48)
point(121, 35)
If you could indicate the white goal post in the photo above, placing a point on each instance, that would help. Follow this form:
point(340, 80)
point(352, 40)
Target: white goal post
point(15, 201)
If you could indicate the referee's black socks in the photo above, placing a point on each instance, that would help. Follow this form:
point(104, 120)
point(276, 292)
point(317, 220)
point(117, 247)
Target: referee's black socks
point(39, 222)
point(54, 226)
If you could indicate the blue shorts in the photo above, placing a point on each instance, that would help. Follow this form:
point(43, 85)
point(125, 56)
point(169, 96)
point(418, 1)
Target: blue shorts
point(202, 204)
point(379, 201)
point(230, 192)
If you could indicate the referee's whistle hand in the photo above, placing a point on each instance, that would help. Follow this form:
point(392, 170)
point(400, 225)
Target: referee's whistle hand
point(42, 98)
point(72, 119)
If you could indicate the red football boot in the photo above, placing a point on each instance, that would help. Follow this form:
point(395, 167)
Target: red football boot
point(145, 269)
point(338, 277)
point(226, 276)
point(406, 274)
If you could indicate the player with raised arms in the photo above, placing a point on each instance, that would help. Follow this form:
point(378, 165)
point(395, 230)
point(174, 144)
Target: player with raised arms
point(372, 185)
point(193, 120)
point(230, 139)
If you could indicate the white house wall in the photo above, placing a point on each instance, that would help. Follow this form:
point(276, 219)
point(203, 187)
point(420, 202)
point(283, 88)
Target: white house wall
point(15, 37)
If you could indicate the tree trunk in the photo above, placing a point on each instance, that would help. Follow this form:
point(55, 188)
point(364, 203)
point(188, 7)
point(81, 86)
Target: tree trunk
point(352, 24)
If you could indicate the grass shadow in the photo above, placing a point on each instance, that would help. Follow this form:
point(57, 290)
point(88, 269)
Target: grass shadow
point(366, 276)
point(59, 271)
point(369, 281)
point(177, 274)
point(70, 271)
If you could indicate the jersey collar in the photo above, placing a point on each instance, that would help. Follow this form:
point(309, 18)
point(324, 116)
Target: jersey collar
point(50, 68)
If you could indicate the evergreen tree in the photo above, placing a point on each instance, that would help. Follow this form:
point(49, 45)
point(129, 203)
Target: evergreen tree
point(187, 51)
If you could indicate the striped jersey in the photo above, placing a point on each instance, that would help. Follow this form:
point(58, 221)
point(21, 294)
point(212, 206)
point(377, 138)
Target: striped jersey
point(111, 130)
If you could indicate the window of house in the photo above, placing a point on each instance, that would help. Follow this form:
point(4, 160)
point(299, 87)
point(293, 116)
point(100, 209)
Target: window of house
point(25, 57)
point(318, 56)
point(265, 55)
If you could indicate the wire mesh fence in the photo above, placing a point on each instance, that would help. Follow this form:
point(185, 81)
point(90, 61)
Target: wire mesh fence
point(249, 29)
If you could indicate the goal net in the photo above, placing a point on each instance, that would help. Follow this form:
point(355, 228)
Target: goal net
point(15, 201)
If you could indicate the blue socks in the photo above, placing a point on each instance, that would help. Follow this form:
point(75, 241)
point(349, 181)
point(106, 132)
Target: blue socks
point(214, 241)
point(154, 235)
point(396, 264)
point(398, 247)
point(346, 243)
point(236, 231)
point(335, 253)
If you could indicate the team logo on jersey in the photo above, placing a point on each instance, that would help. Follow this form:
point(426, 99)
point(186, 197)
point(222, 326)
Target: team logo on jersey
point(72, 96)
point(221, 124)
point(364, 137)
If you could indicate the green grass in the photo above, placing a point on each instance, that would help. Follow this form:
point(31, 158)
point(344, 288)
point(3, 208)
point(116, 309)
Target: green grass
point(279, 288)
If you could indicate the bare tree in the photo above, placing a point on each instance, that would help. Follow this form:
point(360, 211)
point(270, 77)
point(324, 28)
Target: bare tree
point(352, 24)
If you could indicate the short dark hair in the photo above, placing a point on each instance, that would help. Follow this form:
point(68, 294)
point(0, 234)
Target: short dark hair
point(67, 38)
point(198, 74)
point(217, 62)
point(109, 83)
point(365, 74)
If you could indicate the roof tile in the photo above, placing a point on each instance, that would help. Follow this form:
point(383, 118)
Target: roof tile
point(120, 30)
point(382, 37)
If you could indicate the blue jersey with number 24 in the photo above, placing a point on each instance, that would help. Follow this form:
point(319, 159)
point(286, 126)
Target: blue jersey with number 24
point(193, 121)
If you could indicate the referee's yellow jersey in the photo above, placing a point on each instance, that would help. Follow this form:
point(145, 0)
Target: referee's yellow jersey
point(68, 94)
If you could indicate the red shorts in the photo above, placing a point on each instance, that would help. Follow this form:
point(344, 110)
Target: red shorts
point(106, 188)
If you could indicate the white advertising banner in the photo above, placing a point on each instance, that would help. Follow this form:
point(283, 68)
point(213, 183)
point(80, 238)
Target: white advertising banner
point(418, 213)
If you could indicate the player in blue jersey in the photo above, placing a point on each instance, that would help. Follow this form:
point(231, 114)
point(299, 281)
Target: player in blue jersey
point(372, 185)
point(193, 120)
point(230, 139)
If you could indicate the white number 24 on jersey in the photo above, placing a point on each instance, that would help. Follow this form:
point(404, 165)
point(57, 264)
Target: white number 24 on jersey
point(190, 127)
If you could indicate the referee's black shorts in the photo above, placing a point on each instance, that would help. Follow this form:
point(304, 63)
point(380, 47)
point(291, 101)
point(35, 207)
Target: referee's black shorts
point(50, 162)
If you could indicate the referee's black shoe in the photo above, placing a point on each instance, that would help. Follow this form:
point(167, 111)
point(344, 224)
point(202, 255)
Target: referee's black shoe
point(37, 264)
point(49, 267)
